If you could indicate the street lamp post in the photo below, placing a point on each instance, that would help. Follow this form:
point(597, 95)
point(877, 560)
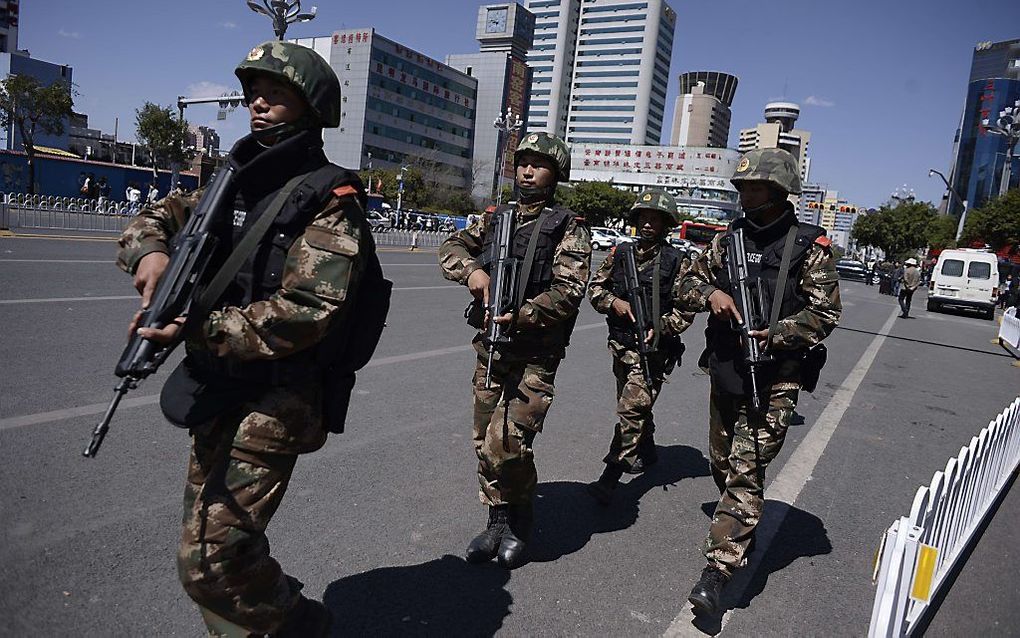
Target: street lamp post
point(506, 125)
point(1008, 125)
point(400, 191)
point(282, 12)
point(963, 202)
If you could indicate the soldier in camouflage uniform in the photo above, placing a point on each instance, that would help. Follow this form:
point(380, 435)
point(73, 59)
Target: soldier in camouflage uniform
point(633, 447)
point(511, 412)
point(742, 442)
point(258, 346)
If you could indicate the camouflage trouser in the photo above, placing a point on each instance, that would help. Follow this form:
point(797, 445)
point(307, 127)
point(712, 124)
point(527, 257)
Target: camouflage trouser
point(634, 402)
point(738, 470)
point(507, 417)
point(238, 473)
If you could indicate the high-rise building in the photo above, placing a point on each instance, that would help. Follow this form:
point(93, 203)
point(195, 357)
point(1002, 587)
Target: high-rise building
point(8, 26)
point(398, 106)
point(601, 69)
point(504, 33)
point(46, 74)
point(827, 209)
point(205, 139)
point(551, 59)
point(979, 156)
point(778, 132)
point(701, 116)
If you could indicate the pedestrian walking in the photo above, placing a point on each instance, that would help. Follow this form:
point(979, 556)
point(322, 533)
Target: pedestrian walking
point(1007, 287)
point(897, 279)
point(509, 412)
point(910, 280)
point(742, 441)
point(153, 195)
point(133, 196)
point(659, 265)
point(253, 389)
point(103, 188)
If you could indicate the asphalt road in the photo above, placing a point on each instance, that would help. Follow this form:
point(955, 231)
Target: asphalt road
point(375, 523)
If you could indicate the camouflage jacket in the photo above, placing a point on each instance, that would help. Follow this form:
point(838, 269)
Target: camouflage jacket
point(321, 266)
point(817, 281)
point(458, 258)
point(600, 291)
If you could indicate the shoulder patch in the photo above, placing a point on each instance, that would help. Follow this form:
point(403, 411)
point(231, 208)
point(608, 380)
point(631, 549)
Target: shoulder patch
point(344, 191)
point(823, 241)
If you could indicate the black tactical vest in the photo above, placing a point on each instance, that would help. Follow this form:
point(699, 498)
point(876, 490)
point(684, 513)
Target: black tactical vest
point(261, 275)
point(540, 277)
point(764, 255)
point(621, 329)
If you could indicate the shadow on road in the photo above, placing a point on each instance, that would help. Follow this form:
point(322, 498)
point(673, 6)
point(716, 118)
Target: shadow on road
point(443, 597)
point(800, 535)
point(566, 517)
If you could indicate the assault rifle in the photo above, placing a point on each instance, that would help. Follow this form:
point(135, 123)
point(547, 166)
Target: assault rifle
point(193, 249)
point(639, 307)
point(751, 302)
point(504, 278)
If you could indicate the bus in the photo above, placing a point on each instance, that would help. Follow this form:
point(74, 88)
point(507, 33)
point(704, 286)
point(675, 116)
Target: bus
point(700, 233)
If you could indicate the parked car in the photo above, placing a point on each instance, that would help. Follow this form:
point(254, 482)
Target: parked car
point(965, 278)
point(604, 238)
point(378, 221)
point(852, 269)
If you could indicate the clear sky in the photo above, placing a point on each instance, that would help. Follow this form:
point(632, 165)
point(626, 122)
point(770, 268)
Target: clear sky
point(881, 83)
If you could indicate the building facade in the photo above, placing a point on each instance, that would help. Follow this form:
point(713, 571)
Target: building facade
point(398, 106)
point(504, 33)
point(980, 156)
point(701, 116)
point(827, 209)
point(9, 14)
point(601, 69)
point(779, 131)
point(204, 139)
point(699, 177)
point(46, 74)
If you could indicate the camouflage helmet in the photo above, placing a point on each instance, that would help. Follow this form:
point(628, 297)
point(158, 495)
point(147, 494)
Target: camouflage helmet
point(773, 165)
point(548, 146)
point(302, 68)
point(657, 200)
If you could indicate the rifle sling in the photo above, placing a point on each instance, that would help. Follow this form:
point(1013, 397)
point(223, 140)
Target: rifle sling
point(656, 309)
point(218, 284)
point(784, 271)
point(529, 259)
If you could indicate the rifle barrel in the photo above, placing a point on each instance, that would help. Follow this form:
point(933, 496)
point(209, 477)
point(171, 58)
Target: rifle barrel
point(99, 433)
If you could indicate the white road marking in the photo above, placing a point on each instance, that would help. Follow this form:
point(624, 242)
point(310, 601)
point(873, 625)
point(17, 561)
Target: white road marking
point(149, 399)
point(791, 480)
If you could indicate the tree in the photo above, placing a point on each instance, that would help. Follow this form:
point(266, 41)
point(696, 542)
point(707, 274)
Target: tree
point(164, 134)
point(33, 109)
point(997, 223)
point(898, 231)
point(942, 233)
point(598, 202)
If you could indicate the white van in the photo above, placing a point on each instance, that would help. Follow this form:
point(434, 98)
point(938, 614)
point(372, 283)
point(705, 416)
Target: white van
point(965, 278)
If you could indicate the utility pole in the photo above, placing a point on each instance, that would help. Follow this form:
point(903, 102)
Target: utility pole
point(507, 125)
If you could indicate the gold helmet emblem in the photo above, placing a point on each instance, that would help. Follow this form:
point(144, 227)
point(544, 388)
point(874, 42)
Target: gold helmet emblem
point(255, 54)
point(743, 165)
point(532, 138)
point(647, 197)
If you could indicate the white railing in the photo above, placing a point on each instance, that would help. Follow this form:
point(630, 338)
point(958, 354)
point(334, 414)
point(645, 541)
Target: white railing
point(919, 551)
point(1009, 332)
point(410, 238)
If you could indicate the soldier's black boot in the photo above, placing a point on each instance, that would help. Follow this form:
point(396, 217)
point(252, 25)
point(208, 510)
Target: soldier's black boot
point(484, 546)
point(705, 595)
point(648, 455)
point(602, 489)
point(307, 619)
point(513, 547)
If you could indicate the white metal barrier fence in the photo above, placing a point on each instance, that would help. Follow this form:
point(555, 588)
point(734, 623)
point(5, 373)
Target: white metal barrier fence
point(918, 551)
point(1009, 332)
point(415, 238)
point(20, 210)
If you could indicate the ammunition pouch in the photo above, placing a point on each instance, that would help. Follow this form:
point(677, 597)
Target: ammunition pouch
point(811, 366)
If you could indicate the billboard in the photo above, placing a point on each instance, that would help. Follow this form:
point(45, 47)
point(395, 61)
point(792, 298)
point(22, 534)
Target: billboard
point(517, 101)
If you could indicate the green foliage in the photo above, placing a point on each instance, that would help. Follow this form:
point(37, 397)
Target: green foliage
point(899, 232)
point(419, 194)
point(598, 202)
point(942, 233)
point(32, 108)
point(160, 130)
point(997, 223)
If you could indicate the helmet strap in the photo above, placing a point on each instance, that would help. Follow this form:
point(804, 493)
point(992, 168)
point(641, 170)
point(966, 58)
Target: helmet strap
point(535, 194)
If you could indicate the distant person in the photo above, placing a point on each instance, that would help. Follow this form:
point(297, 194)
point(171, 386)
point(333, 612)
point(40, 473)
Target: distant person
point(153, 195)
point(103, 190)
point(897, 277)
point(133, 196)
point(910, 279)
point(88, 187)
point(1009, 288)
point(870, 274)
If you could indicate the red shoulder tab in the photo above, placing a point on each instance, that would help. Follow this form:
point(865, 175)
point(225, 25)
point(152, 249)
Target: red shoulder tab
point(824, 241)
point(343, 191)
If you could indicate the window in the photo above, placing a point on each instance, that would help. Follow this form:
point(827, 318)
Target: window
point(952, 268)
point(979, 270)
